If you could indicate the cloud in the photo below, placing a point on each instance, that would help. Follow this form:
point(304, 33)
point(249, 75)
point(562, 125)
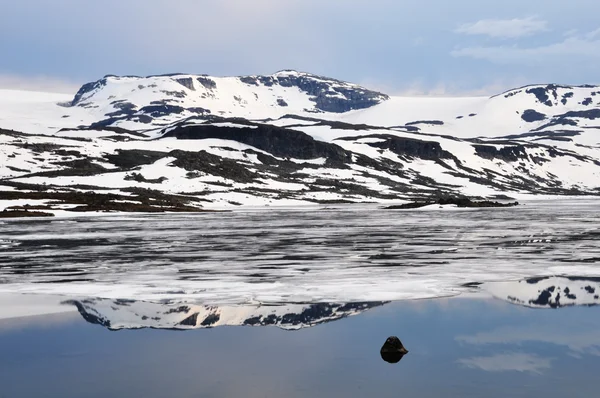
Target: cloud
point(593, 34)
point(586, 46)
point(462, 87)
point(38, 83)
point(504, 28)
point(514, 362)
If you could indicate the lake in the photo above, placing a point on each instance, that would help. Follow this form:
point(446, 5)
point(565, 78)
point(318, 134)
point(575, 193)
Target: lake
point(298, 302)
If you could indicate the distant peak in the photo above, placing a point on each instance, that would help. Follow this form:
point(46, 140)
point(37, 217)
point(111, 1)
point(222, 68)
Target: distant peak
point(289, 72)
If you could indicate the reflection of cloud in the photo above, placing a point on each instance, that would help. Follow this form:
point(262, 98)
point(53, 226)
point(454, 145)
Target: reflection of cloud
point(578, 341)
point(508, 362)
point(504, 28)
point(586, 45)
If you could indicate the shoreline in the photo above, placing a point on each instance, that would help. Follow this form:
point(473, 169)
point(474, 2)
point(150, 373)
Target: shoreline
point(26, 209)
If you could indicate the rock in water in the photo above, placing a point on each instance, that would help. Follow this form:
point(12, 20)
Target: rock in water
point(393, 350)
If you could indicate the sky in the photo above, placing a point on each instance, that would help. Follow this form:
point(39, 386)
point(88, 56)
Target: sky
point(425, 47)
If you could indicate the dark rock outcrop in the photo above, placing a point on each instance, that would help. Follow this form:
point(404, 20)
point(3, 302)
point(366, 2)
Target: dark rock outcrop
point(531, 116)
point(86, 89)
point(428, 150)
point(208, 83)
point(279, 142)
point(459, 202)
point(329, 95)
point(332, 95)
point(590, 114)
point(506, 153)
point(541, 93)
point(431, 122)
point(186, 82)
point(130, 158)
point(155, 111)
point(24, 213)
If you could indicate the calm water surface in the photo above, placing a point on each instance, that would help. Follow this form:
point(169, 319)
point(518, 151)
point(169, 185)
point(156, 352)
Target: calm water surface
point(458, 348)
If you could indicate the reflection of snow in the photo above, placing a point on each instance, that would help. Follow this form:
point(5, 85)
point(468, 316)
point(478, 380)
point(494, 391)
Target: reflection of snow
point(130, 314)
point(548, 292)
point(508, 362)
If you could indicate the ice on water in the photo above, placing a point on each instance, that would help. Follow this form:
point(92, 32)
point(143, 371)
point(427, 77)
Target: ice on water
point(315, 254)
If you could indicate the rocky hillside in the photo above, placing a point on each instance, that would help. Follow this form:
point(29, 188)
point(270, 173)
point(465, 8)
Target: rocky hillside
point(194, 142)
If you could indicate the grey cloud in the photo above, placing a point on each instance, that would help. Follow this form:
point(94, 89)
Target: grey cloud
point(585, 46)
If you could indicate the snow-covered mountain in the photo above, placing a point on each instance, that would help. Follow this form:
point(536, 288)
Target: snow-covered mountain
point(156, 100)
point(548, 292)
point(129, 314)
point(185, 142)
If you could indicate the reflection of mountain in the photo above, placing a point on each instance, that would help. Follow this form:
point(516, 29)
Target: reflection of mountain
point(549, 292)
point(129, 314)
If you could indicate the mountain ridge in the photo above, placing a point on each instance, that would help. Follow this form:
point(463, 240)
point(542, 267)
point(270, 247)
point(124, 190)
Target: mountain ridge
point(181, 141)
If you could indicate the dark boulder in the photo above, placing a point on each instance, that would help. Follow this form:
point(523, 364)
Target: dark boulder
point(392, 350)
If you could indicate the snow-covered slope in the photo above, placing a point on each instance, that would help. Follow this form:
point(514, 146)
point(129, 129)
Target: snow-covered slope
point(129, 314)
point(192, 141)
point(133, 102)
point(548, 292)
point(514, 112)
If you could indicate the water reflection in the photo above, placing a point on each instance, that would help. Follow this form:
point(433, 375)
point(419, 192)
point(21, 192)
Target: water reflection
point(458, 348)
point(548, 292)
point(519, 362)
point(131, 314)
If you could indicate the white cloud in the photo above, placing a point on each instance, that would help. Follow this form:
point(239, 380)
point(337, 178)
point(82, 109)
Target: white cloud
point(586, 45)
point(593, 34)
point(516, 362)
point(38, 83)
point(457, 88)
point(504, 28)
